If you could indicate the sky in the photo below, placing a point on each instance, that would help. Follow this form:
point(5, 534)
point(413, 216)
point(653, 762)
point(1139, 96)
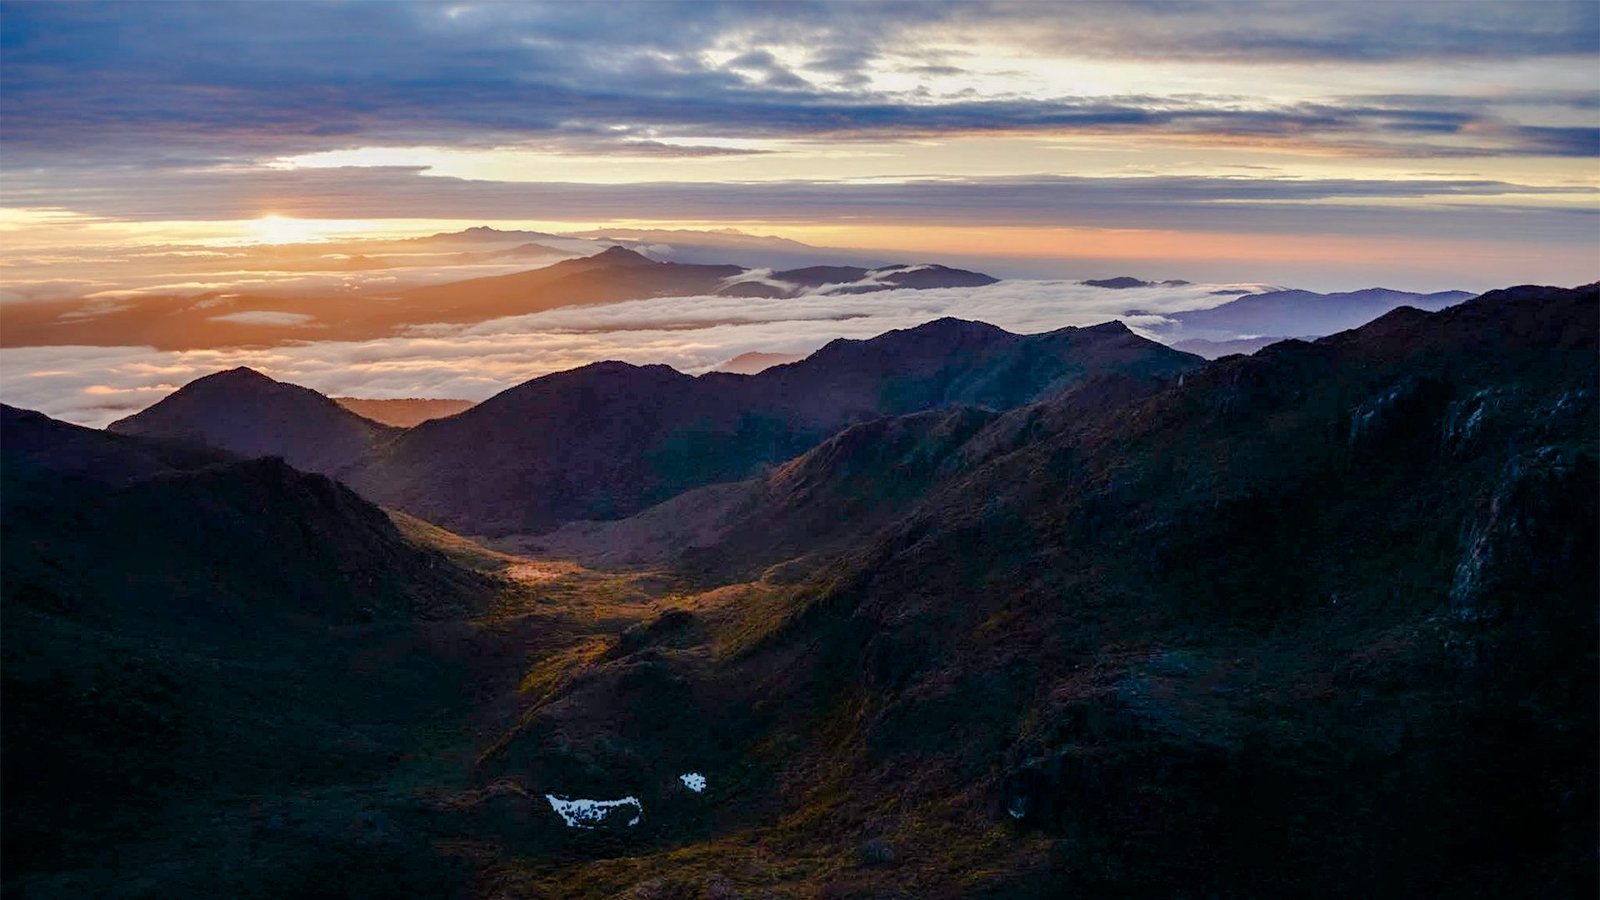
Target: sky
point(1332, 146)
point(1140, 131)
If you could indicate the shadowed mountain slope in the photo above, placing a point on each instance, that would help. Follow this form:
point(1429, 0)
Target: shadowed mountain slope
point(1311, 623)
point(184, 636)
point(609, 439)
point(1315, 621)
point(247, 413)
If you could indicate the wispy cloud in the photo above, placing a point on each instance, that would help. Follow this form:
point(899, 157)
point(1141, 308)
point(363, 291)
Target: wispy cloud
point(1259, 204)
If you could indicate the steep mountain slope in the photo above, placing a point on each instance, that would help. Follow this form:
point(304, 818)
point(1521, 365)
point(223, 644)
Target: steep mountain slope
point(190, 639)
point(247, 413)
point(830, 498)
point(1315, 622)
point(609, 439)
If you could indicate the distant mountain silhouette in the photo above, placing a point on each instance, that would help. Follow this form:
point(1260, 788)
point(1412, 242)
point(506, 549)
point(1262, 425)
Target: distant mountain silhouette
point(1287, 313)
point(606, 277)
point(619, 274)
point(181, 321)
point(753, 362)
point(402, 413)
point(247, 413)
point(1123, 282)
point(609, 439)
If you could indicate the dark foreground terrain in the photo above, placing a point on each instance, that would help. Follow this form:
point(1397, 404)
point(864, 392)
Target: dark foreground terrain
point(1317, 622)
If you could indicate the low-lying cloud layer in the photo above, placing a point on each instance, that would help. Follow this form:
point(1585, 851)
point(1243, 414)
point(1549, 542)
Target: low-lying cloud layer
point(95, 385)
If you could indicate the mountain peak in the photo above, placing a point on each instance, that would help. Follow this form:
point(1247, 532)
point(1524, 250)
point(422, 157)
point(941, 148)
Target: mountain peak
point(953, 325)
point(237, 375)
point(621, 256)
point(1115, 326)
point(244, 412)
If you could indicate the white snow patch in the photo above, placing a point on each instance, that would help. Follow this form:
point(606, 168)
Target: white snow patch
point(694, 781)
point(579, 813)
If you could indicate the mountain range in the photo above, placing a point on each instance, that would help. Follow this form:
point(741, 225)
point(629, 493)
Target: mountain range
point(951, 612)
point(612, 438)
point(1252, 321)
point(1331, 603)
point(613, 274)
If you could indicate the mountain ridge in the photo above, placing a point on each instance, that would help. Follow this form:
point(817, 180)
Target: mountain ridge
point(247, 413)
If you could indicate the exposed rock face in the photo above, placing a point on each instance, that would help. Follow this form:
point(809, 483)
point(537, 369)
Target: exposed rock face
point(1529, 536)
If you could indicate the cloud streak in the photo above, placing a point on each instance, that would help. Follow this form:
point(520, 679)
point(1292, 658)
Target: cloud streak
point(1262, 204)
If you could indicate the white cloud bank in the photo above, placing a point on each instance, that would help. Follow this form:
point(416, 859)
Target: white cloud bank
point(95, 385)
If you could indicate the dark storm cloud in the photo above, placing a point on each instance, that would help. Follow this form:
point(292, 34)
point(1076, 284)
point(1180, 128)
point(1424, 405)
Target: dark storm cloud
point(234, 81)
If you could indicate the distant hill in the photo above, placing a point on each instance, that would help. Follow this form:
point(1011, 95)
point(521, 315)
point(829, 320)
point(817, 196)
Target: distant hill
point(1124, 282)
point(724, 246)
point(247, 413)
point(619, 274)
point(1286, 313)
point(402, 413)
point(753, 362)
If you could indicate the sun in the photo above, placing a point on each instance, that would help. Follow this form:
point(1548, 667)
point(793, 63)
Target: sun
point(276, 229)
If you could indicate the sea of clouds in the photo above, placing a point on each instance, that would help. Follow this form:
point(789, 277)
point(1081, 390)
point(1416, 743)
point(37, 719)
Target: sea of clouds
point(96, 385)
